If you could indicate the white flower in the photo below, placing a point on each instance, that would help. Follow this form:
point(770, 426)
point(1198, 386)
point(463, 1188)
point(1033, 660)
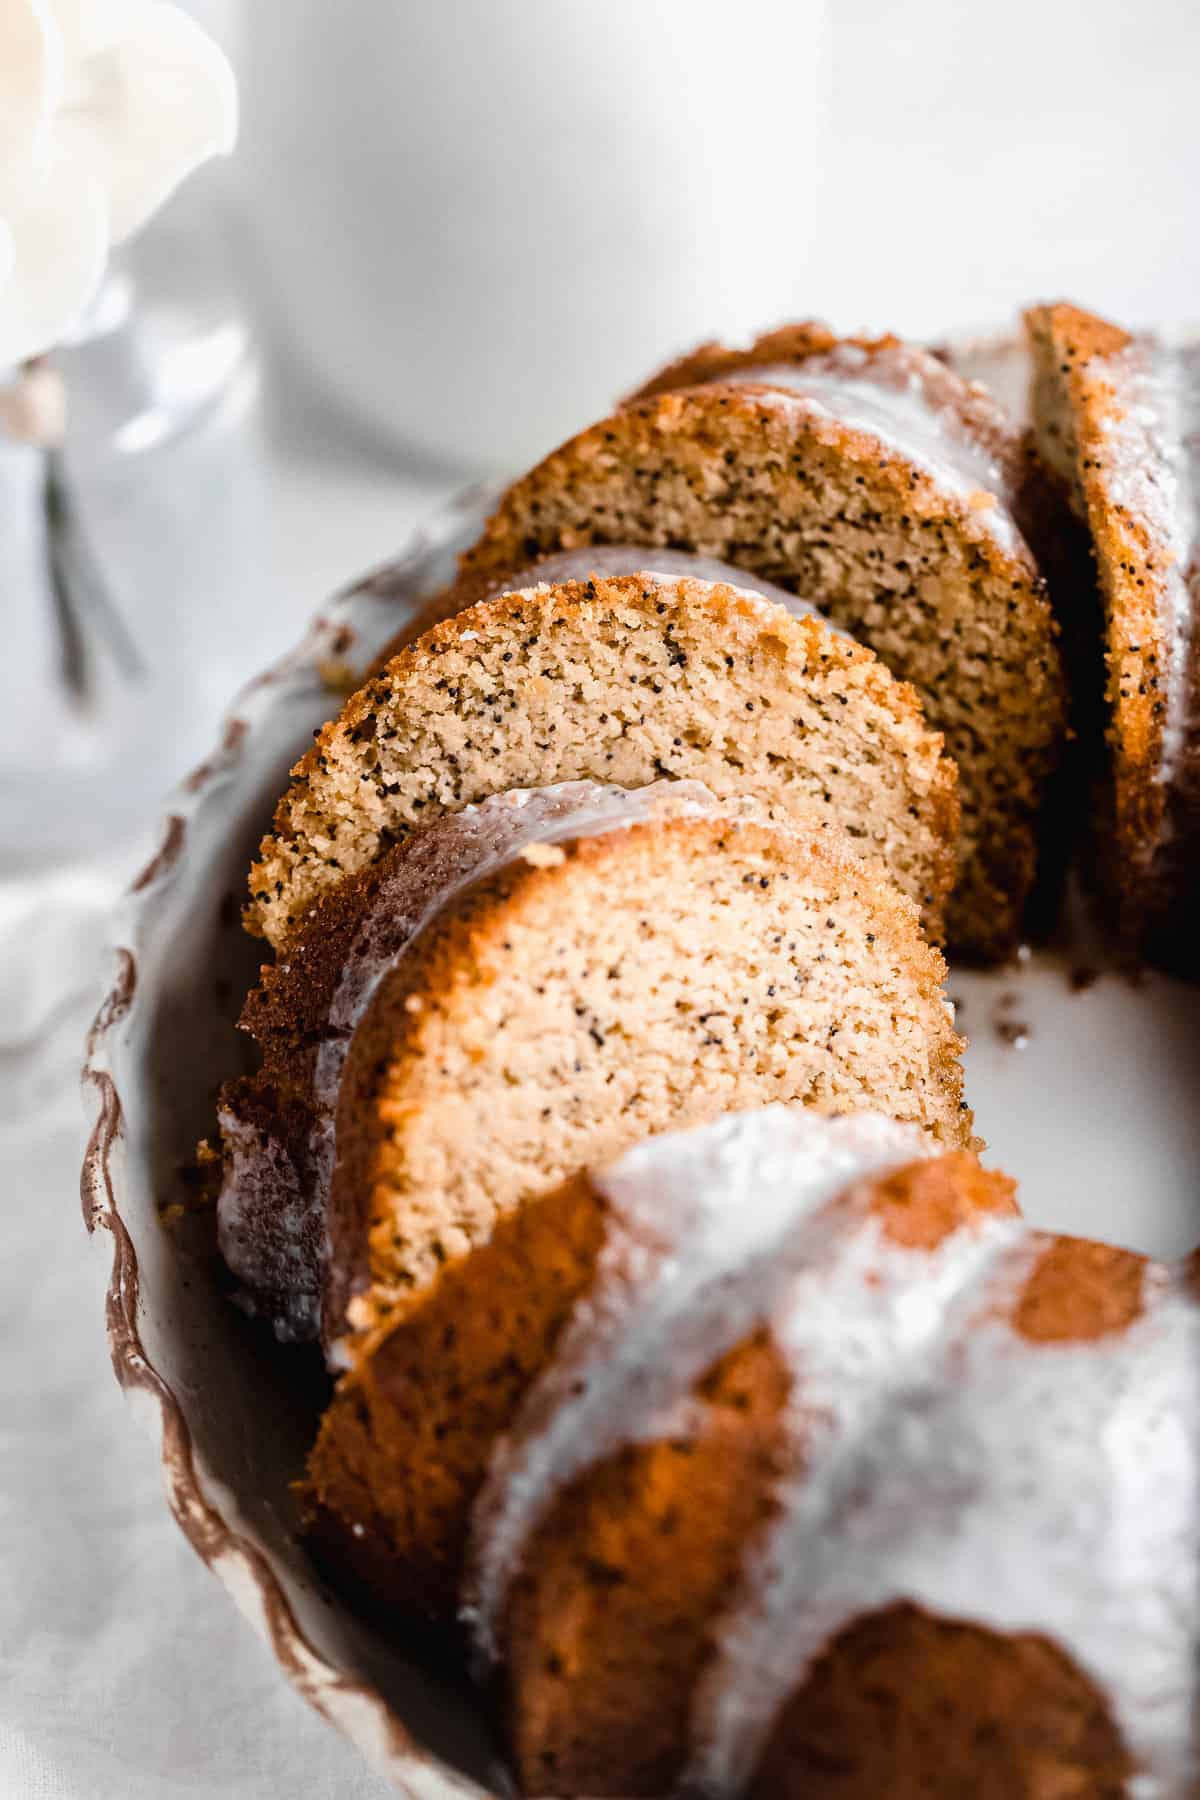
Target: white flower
point(105, 106)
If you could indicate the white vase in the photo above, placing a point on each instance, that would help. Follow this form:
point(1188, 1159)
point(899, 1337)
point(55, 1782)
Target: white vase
point(130, 558)
point(481, 222)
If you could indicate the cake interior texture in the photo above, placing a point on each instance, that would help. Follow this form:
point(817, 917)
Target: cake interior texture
point(693, 1383)
point(582, 999)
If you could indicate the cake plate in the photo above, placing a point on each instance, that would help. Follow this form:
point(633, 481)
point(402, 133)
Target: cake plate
point(1084, 1085)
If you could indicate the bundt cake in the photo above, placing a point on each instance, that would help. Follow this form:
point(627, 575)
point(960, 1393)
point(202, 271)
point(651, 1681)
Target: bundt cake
point(781, 1458)
point(1118, 417)
point(874, 481)
point(763, 1452)
point(627, 679)
point(524, 987)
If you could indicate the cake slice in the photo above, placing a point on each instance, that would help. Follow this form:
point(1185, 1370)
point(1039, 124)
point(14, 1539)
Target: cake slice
point(875, 482)
point(626, 679)
point(524, 986)
point(1118, 417)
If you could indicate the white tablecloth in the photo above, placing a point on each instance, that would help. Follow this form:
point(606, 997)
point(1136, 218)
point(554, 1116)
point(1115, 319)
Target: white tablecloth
point(125, 1672)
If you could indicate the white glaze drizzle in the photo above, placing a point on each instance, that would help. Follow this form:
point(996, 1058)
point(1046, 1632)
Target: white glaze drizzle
point(702, 1237)
point(938, 1456)
point(1149, 456)
point(883, 394)
point(1023, 1486)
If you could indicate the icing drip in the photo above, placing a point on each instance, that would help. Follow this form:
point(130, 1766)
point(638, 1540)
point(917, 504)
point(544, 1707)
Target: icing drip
point(887, 394)
point(733, 1193)
point(1151, 449)
point(986, 1478)
point(663, 565)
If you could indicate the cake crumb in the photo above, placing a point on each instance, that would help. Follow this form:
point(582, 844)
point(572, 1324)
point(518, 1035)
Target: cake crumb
point(543, 856)
point(338, 676)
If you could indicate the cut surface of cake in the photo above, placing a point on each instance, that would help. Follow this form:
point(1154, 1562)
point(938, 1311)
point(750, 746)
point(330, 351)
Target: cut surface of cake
point(874, 482)
point(525, 986)
point(1118, 417)
point(627, 679)
point(692, 1383)
point(786, 1459)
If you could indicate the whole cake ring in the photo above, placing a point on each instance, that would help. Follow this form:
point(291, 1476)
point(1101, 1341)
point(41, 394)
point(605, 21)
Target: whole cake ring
point(775, 1455)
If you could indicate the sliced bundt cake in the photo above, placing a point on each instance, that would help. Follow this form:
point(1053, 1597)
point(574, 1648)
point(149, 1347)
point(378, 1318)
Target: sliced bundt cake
point(1118, 417)
point(804, 1468)
point(625, 679)
point(874, 481)
point(525, 986)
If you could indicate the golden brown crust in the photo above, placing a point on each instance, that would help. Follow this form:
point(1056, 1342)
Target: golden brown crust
point(464, 593)
point(921, 1205)
point(1191, 1274)
point(704, 416)
point(608, 1623)
point(979, 414)
point(918, 1707)
point(786, 344)
point(1078, 1291)
point(404, 1445)
point(1077, 401)
point(1080, 334)
point(1126, 556)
